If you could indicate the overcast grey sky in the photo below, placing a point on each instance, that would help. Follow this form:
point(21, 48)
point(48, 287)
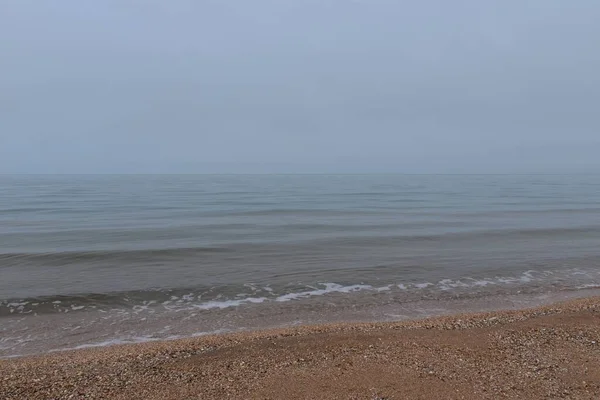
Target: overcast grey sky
point(426, 86)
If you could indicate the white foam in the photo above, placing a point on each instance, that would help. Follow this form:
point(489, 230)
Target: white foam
point(188, 297)
point(580, 273)
point(527, 276)
point(17, 304)
point(192, 301)
point(329, 288)
point(133, 340)
point(109, 342)
point(508, 280)
point(483, 282)
point(215, 332)
point(423, 285)
point(589, 286)
point(449, 284)
point(139, 308)
point(11, 356)
point(228, 303)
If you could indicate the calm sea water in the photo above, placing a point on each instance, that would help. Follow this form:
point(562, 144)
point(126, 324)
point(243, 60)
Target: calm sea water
point(97, 247)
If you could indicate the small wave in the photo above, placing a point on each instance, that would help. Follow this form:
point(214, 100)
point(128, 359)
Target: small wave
point(589, 286)
point(229, 303)
point(294, 211)
point(136, 339)
point(249, 294)
point(353, 236)
point(533, 211)
point(60, 258)
point(329, 288)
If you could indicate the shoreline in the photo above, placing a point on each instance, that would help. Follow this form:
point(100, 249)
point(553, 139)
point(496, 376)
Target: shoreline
point(52, 333)
point(546, 351)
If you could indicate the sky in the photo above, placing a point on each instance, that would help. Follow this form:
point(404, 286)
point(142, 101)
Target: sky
point(299, 86)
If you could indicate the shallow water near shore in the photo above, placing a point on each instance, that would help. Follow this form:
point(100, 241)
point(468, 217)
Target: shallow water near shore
point(93, 260)
point(51, 333)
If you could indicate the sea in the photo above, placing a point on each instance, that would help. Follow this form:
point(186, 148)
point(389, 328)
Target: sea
point(93, 260)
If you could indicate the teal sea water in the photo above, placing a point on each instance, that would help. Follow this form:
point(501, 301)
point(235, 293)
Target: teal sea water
point(94, 247)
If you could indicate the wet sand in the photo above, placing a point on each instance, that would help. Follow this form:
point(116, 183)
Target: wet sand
point(543, 353)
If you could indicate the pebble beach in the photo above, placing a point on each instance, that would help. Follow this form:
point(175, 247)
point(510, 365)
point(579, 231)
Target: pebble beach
point(542, 353)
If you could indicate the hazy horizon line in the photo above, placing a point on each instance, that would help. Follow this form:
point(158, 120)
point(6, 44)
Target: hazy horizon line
point(296, 173)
